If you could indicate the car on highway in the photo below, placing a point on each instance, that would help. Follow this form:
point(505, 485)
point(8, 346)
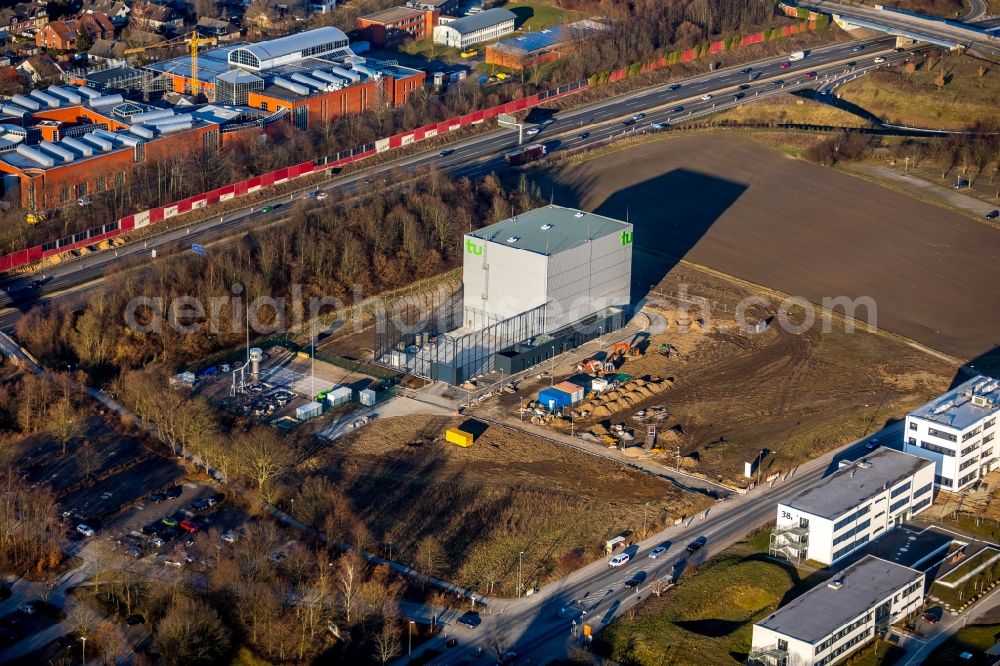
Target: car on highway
point(657, 552)
point(810, 75)
point(697, 544)
point(470, 619)
point(628, 122)
point(85, 530)
point(267, 209)
point(746, 70)
point(778, 82)
point(678, 109)
point(738, 96)
point(532, 131)
point(584, 135)
point(706, 97)
point(992, 215)
point(879, 60)
point(638, 116)
point(446, 152)
point(173, 492)
point(786, 65)
point(636, 580)
point(321, 195)
point(858, 49)
point(656, 127)
point(673, 87)
point(619, 560)
point(744, 86)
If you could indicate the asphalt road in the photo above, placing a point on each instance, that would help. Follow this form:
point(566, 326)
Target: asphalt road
point(481, 155)
point(533, 627)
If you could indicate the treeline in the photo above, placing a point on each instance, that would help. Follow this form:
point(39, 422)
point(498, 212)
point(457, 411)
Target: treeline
point(382, 241)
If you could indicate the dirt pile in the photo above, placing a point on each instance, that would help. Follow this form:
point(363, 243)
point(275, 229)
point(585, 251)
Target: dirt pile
point(622, 398)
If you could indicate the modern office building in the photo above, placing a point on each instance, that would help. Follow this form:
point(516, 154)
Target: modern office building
point(391, 27)
point(831, 621)
point(476, 28)
point(533, 286)
point(859, 502)
point(957, 432)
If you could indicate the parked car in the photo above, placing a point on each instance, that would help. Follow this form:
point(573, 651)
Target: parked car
point(133, 620)
point(229, 536)
point(992, 215)
point(173, 492)
point(169, 521)
point(157, 542)
point(697, 544)
point(174, 562)
point(156, 498)
point(656, 552)
point(619, 560)
point(189, 526)
point(84, 530)
point(960, 183)
point(470, 619)
point(153, 528)
point(200, 505)
point(134, 552)
point(27, 609)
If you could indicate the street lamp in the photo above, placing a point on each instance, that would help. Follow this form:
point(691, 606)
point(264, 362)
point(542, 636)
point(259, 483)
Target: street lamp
point(644, 507)
point(409, 646)
point(84, 648)
point(519, 555)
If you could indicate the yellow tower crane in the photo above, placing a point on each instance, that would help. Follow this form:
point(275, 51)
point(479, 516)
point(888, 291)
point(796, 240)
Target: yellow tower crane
point(193, 40)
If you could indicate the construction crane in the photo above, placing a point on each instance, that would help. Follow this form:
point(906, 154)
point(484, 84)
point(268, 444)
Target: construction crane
point(193, 40)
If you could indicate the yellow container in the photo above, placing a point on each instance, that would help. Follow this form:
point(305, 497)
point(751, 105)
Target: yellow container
point(460, 437)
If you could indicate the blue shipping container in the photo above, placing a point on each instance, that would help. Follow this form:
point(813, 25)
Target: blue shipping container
point(553, 399)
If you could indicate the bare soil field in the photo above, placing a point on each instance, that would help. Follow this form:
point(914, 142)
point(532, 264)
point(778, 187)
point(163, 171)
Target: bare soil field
point(508, 492)
point(725, 202)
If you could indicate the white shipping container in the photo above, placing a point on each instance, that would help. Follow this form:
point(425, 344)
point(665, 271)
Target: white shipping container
point(598, 384)
point(367, 397)
point(339, 396)
point(308, 411)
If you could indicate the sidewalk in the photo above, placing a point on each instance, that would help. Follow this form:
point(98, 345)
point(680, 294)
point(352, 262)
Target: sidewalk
point(948, 196)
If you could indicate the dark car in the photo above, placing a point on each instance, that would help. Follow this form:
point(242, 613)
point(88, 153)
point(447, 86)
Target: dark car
point(156, 498)
point(778, 82)
point(178, 516)
point(673, 87)
point(858, 49)
point(628, 122)
point(933, 615)
point(678, 109)
point(153, 528)
point(133, 620)
point(697, 544)
point(738, 96)
point(451, 642)
point(853, 63)
point(584, 135)
point(173, 493)
point(134, 551)
point(746, 70)
point(744, 86)
point(507, 658)
point(470, 619)
point(200, 505)
point(215, 499)
point(992, 215)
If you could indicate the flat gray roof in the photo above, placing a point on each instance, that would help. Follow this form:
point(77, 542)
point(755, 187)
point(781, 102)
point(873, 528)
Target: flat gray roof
point(843, 491)
point(490, 17)
point(817, 613)
point(568, 228)
point(957, 408)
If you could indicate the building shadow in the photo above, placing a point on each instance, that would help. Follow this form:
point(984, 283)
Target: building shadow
point(987, 363)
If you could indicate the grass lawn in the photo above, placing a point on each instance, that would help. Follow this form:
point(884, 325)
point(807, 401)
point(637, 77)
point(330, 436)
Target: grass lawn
point(708, 618)
point(790, 109)
point(980, 558)
point(970, 588)
point(914, 98)
point(533, 15)
point(879, 653)
point(975, 639)
point(426, 48)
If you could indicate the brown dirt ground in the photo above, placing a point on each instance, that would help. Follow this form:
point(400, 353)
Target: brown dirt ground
point(508, 492)
point(726, 202)
point(736, 393)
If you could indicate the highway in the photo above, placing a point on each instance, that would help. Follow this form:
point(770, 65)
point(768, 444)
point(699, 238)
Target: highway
point(534, 627)
point(667, 104)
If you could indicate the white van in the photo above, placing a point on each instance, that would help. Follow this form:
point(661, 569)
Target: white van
point(619, 560)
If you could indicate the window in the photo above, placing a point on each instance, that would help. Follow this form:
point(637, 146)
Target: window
point(942, 480)
point(898, 505)
point(972, 433)
point(942, 434)
point(264, 106)
point(919, 505)
point(64, 195)
point(967, 464)
point(102, 183)
point(914, 426)
point(968, 477)
point(912, 441)
point(847, 520)
point(81, 189)
point(899, 491)
point(860, 527)
point(937, 449)
point(987, 453)
point(921, 491)
point(119, 179)
point(969, 449)
point(990, 423)
point(988, 438)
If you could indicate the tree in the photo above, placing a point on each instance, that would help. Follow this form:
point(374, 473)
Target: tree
point(83, 41)
point(387, 643)
point(191, 634)
point(64, 422)
point(263, 457)
point(349, 582)
point(430, 556)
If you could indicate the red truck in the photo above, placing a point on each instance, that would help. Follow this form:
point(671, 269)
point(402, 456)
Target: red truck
point(525, 154)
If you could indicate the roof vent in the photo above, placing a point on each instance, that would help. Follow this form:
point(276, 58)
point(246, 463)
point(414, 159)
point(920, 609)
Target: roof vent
point(513, 239)
point(836, 584)
point(546, 227)
point(943, 408)
point(864, 464)
point(578, 213)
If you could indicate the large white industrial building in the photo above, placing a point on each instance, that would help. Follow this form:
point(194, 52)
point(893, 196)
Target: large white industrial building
point(859, 502)
point(829, 622)
point(533, 286)
point(957, 432)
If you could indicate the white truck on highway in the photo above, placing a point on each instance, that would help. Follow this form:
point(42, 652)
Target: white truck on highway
point(798, 55)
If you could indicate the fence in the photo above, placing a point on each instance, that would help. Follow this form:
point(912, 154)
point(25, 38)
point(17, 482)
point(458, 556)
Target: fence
point(257, 183)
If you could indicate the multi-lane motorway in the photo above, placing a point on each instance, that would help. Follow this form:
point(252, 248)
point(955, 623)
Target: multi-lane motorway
point(665, 104)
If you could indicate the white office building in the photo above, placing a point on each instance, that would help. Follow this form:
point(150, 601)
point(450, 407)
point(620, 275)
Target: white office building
point(859, 502)
point(957, 431)
point(475, 28)
point(829, 622)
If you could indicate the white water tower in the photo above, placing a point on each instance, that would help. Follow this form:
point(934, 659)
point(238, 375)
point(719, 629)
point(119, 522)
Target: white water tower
point(256, 355)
